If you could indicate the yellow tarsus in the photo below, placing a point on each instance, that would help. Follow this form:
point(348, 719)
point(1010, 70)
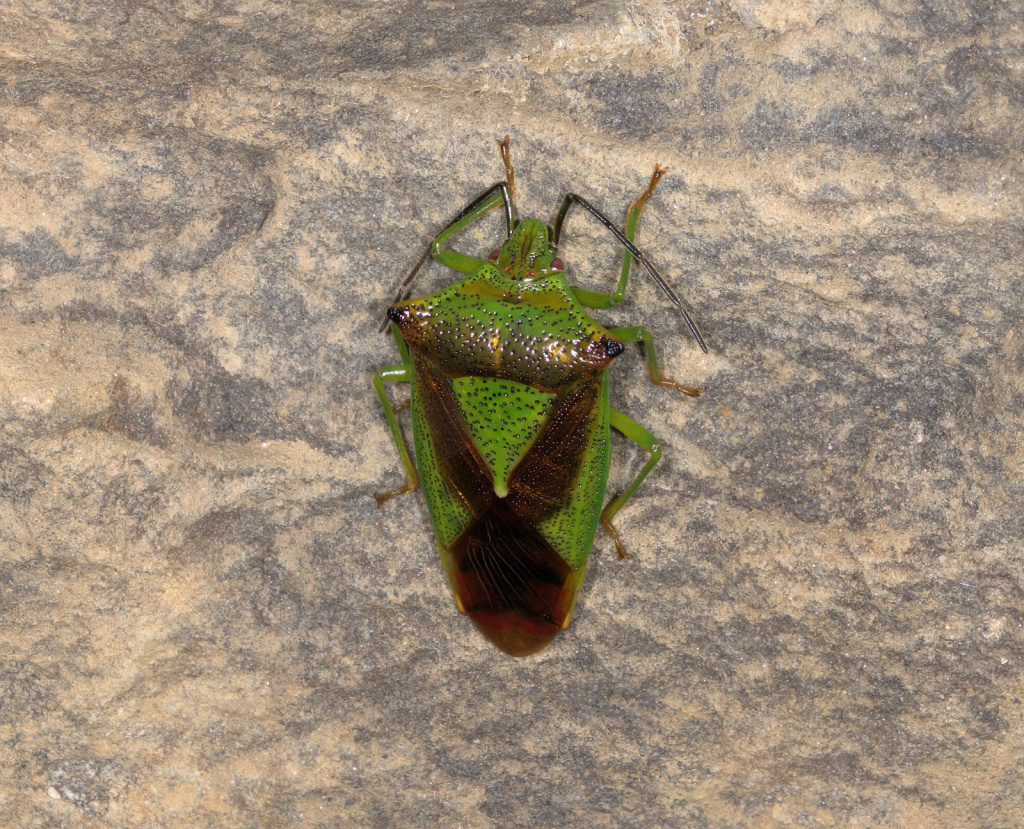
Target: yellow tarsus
point(510, 171)
point(641, 200)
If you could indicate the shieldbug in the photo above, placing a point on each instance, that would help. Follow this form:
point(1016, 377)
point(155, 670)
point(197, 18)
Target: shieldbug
point(510, 415)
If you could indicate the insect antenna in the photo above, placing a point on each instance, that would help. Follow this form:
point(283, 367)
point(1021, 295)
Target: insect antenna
point(571, 199)
point(403, 291)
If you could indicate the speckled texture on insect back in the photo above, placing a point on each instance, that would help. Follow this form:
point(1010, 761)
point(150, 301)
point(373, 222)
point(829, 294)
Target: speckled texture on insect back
point(503, 418)
point(519, 344)
point(489, 324)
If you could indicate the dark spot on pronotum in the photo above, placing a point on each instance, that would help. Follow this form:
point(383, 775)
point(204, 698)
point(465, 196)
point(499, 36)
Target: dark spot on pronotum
point(604, 349)
point(612, 348)
point(399, 314)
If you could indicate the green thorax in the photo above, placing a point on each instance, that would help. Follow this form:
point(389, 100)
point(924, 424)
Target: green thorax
point(532, 331)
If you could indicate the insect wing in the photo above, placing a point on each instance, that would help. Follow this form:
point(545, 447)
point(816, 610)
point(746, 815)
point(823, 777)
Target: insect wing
point(515, 583)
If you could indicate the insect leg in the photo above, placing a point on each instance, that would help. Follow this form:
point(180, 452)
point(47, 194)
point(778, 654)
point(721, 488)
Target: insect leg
point(632, 252)
point(396, 374)
point(637, 334)
point(499, 193)
point(599, 299)
point(638, 434)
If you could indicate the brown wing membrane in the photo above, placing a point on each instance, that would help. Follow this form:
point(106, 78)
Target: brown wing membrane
point(511, 582)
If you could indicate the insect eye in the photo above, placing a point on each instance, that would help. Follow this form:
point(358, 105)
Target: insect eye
point(556, 264)
point(493, 256)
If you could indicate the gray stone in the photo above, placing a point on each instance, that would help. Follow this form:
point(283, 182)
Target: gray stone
point(205, 620)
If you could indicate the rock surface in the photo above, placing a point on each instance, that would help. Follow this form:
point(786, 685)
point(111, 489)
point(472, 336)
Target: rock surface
point(204, 618)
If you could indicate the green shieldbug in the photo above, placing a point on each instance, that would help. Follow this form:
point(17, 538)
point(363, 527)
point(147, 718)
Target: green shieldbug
point(511, 418)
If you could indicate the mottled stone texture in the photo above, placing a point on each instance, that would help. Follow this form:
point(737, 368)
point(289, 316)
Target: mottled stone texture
point(205, 620)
